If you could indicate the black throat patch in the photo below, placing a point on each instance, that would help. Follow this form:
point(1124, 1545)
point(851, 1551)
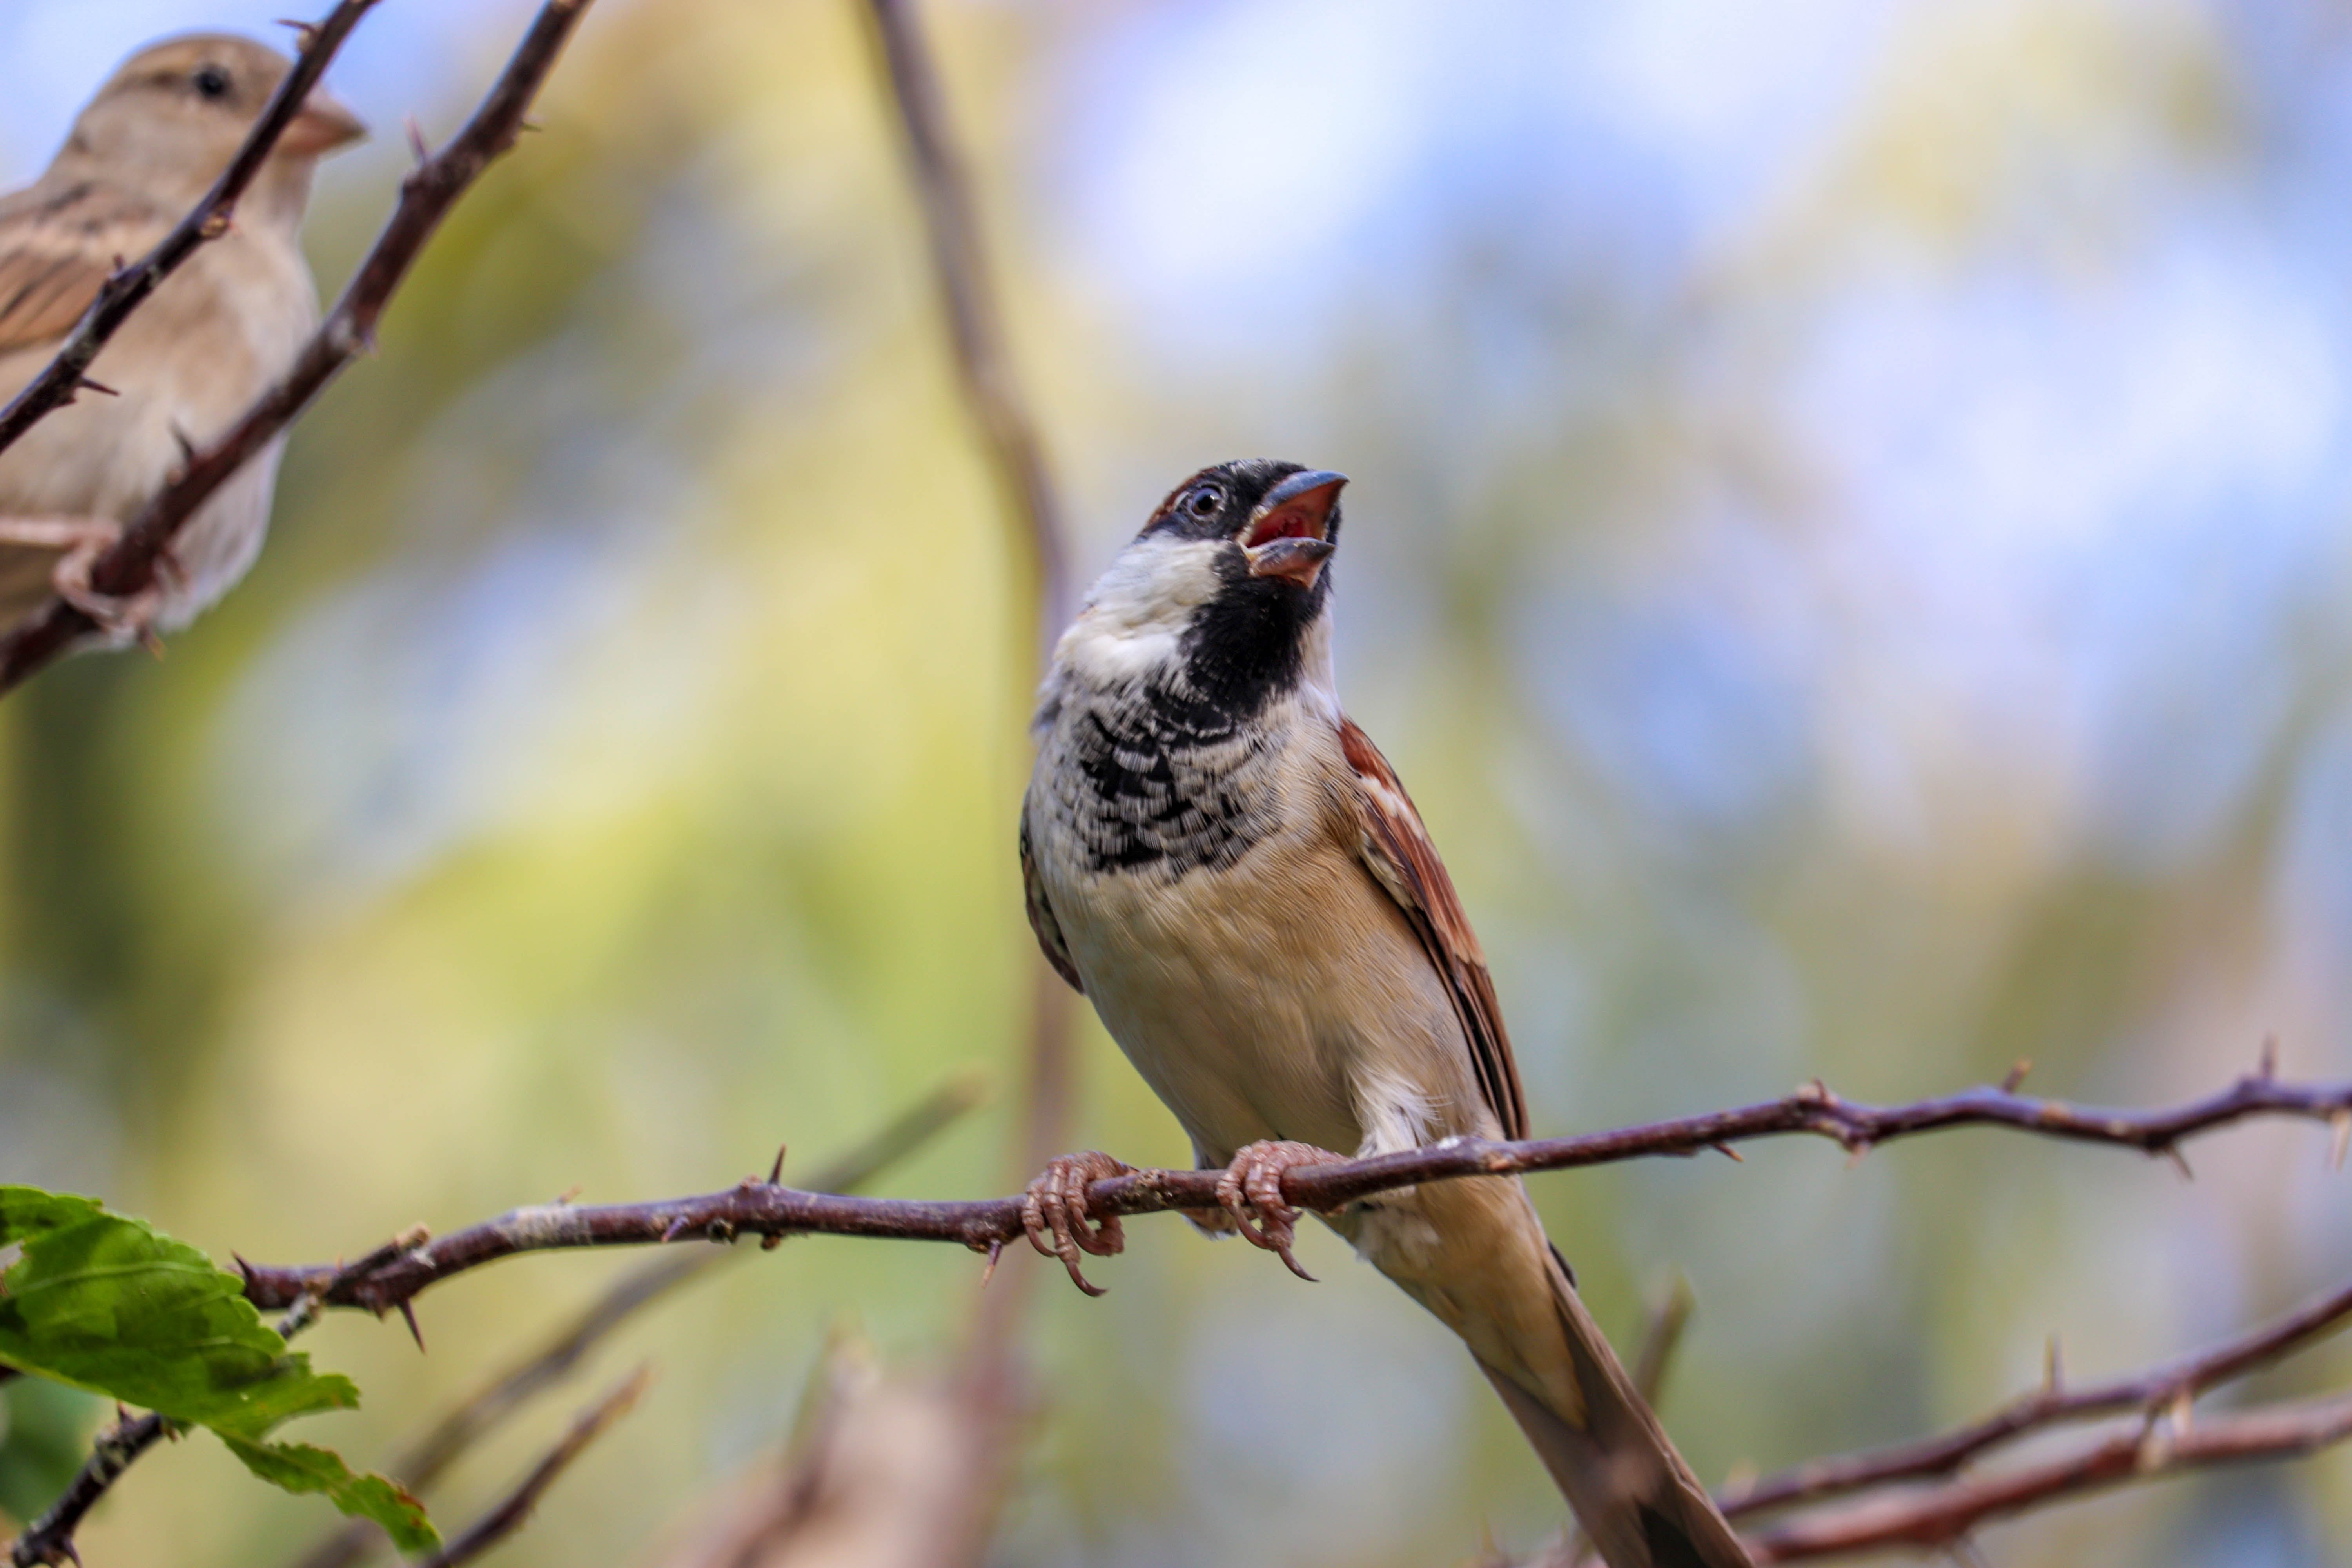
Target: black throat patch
point(1158, 777)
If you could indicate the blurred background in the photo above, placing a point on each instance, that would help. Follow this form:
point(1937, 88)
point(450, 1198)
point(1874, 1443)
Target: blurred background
point(1848, 546)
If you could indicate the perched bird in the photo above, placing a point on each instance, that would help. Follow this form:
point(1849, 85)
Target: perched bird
point(1229, 868)
point(207, 342)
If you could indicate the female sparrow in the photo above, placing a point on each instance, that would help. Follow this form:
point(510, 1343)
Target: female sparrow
point(1230, 870)
point(206, 343)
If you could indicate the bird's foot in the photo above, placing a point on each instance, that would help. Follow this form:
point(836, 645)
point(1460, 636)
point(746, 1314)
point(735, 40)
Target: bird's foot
point(81, 542)
point(1251, 1192)
point(1053, 1211)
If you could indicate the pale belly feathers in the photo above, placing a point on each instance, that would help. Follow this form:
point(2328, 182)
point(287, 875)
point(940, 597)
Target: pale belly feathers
point(1281, 995)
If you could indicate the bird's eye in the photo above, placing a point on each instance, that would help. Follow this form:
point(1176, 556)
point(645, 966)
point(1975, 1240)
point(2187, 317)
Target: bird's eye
point(210, 82)
point(1206, 501)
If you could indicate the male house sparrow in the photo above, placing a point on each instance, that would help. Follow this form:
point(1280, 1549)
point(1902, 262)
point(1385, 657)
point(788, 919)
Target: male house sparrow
point(207, 342)
point(1229, 868)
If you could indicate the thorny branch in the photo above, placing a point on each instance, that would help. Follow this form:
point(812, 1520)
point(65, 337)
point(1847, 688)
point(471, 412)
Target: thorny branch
point(2166, 1438)
point(563, 1351)
point(2164, 1390)
point(1947, 1515)
point(754, 1207)
point(129, 286)
point(426, 196)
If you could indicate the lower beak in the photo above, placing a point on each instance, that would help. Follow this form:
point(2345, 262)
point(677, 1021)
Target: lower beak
point(321, 126)
point(1298, 561)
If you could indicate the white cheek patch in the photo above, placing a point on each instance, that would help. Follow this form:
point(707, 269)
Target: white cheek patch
point(1136, 614)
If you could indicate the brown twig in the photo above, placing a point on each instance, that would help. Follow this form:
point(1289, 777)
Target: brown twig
point(510, 1515)
point(1662, 1335)
point(49, 1539)
point(561, 1354)
point(1946, 1516)
point(129, 286)
point(967, 299)
point(758, 1208)
point(990, 1376)
point(2158, 1390)
point(426, 199)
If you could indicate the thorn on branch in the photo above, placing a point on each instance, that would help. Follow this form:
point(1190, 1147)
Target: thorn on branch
point(2267, 1068)
point(408, 1316)
point(2015, 1078)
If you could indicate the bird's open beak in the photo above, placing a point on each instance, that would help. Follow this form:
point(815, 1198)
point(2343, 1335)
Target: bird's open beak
point(1289, 534)
point(321, 126)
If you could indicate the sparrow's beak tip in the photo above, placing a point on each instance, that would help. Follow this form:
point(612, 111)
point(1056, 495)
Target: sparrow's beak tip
point(321, 126)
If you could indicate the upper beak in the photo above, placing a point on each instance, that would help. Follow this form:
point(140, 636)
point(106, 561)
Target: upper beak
point(321, 126)
point(1289, 535)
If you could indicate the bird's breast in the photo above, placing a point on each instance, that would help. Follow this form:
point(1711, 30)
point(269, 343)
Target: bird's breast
point(1212, 901)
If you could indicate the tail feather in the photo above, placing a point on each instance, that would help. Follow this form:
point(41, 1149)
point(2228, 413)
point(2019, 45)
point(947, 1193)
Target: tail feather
point(1630, 1488)
point(1474, 1254)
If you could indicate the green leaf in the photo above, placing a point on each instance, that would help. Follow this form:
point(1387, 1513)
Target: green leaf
point(113, 1305)
point(300, 1468)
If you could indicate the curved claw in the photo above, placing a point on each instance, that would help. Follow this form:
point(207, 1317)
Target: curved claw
point(1250, 1192)
point(1054, 1215)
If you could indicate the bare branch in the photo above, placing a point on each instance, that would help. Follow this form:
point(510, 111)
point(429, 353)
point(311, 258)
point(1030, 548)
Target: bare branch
point(2156, 1391)
point(754, 1207)
point(49, 1539)
point(561, 1354)
point(968, 297)
point(129, 286)
point(426, 199)
point(1947, 1515)
point(510, 1515)
point(1662, 1335)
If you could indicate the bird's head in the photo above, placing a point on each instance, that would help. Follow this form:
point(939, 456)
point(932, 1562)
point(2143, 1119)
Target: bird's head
point(1224, 591)
point(169, 121)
